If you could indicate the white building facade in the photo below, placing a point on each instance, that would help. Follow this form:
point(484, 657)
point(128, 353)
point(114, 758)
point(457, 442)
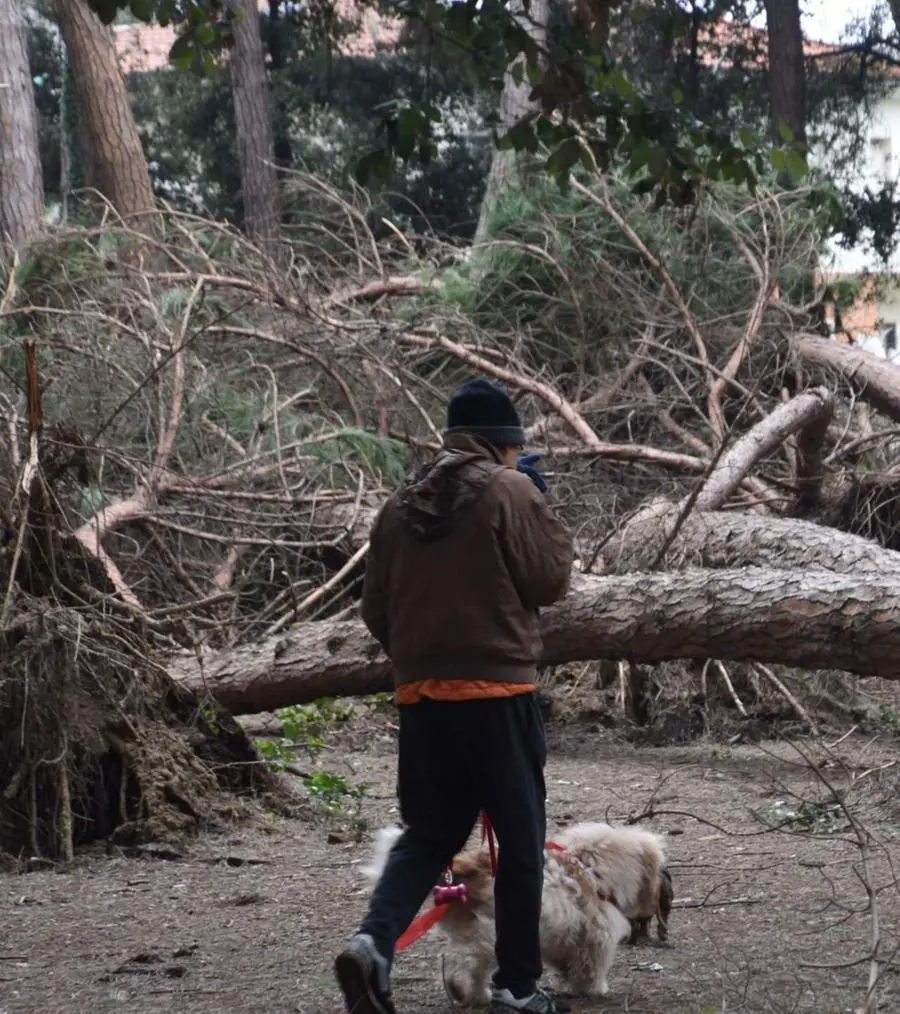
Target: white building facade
point(875, 323)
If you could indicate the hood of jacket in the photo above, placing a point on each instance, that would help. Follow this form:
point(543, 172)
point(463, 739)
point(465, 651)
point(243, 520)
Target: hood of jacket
point(433, 499)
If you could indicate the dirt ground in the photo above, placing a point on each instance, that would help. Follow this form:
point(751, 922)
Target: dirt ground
point(248, 920)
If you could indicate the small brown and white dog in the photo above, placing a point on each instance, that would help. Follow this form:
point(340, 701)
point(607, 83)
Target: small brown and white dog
point(602, 885)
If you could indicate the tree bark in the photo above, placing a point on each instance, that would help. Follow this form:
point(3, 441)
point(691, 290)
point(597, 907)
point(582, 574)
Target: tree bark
point(256, 146)
point(514, 104)
point(720, 541)
point(812, 619)
point(810, 410)
point(21, 183)
point(875, 380)
point(116, 163)
point(787, 69)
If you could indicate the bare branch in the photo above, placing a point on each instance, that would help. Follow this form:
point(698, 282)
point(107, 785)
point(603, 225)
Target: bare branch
point(813, 408)
point(545, 392)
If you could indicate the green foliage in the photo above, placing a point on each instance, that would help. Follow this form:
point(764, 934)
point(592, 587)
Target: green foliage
point(657, 107)
point(204, 27)
point(650, 104)
point(379, 700)
point(324, 112)
point(332, 787)
point(554, 278)
point(302, 729)
point(871, 216)
point(48, 74)
point(231, 401)
point(380, 456)
point(889, 717)
point(277, 753)
point(578, 88)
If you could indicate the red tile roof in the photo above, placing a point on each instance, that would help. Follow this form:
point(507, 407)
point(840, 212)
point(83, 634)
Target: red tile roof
point(144, 48)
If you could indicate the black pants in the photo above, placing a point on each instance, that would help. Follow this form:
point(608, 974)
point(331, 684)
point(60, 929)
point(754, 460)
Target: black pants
point(457, 758)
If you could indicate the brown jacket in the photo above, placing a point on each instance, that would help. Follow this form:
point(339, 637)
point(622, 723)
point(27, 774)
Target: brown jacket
point(461, 559)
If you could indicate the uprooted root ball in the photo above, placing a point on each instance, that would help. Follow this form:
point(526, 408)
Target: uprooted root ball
point(97, 742)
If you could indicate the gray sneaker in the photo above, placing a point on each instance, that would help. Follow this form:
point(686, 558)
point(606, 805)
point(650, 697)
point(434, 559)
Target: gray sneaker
point(540, 1002)
point(362, 974)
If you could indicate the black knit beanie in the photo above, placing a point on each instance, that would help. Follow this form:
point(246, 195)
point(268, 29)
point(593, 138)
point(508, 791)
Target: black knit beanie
point(485, 410)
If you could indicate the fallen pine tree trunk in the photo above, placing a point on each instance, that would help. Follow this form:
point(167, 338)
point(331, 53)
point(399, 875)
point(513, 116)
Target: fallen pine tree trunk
point(876, 381)
point(718, 540)
point(814, 619)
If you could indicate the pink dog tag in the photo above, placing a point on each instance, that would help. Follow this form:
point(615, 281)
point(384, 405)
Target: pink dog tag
point(446, 894)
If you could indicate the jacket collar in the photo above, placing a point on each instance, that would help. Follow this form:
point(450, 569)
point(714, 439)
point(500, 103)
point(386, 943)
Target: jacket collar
point(468, 443)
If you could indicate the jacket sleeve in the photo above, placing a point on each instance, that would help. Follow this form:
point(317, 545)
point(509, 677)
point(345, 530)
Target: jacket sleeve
point(537, 546)
point(374, 604)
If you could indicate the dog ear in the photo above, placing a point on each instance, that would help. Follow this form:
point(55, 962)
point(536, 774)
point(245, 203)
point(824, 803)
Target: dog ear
point(470, 866)
point(465, 867)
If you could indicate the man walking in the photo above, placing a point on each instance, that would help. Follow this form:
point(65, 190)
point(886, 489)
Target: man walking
point(461, 559)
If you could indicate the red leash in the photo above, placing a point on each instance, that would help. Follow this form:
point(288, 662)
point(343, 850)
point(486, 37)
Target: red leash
point(423, 923)
point(487, 832)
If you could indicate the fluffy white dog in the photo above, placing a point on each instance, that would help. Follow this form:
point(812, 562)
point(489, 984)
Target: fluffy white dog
point(602, 884)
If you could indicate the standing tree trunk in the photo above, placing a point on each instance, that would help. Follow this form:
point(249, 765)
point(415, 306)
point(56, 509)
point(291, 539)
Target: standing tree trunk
point(116, 163)
point(514, 104)
point(21, 185)
point(256, 149)
point(787, 70)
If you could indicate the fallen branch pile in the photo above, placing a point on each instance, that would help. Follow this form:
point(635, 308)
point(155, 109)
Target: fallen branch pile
point(217, 434)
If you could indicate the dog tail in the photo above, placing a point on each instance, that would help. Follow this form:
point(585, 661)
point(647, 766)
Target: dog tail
point(385, 839)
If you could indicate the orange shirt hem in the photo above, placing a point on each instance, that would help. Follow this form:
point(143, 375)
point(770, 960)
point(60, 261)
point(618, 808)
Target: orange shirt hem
point(458, 690)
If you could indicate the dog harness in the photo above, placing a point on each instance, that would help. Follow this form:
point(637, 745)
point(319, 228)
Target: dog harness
point(553, 846)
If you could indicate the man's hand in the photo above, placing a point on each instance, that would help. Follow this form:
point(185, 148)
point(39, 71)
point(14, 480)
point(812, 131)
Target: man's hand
point(524, 465)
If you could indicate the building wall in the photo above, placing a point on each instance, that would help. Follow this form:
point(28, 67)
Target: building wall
point(881, 163)
point(879, 306)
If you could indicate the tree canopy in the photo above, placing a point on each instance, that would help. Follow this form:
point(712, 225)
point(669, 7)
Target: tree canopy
point(589, 109)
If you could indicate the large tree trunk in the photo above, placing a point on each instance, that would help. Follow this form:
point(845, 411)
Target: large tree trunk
point(724, 540)
point(256, 148)
point(813, 619)
point(514, 104)
point(875, 380)
point(787, 70)
point(21, 185)
point(116, 163)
